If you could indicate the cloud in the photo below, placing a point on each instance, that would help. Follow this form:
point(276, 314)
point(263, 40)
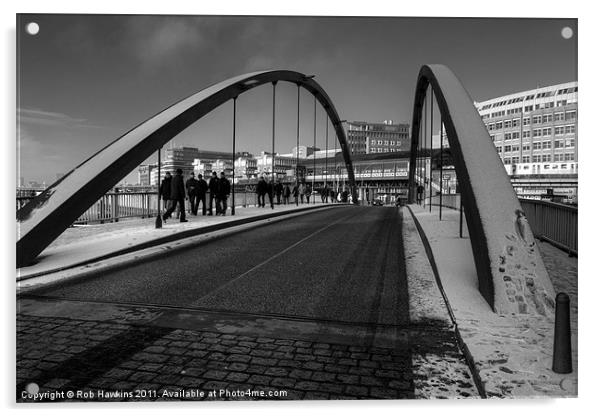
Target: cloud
point(47, 118)
point(159, 41)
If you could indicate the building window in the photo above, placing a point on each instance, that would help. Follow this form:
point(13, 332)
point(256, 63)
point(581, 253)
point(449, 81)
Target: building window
point(546, 158)
point(546, 144)
point(515, 135)
point(507, 124)
point(526, 159)
point(515, 148)
point(536, 133)
point(536, 158)
point(546, 118)
point(526, 147)
point(536, 145)
point(528, 108)
point(547, 131)
point(526, 121)
point(570, 143)
point(536, 120)
point(558, 117)
point(526, 133)
point(558, 158)
point(569, 156)
point(515, 159)
point(508, 148)
point(499, 149)
point(558, 144)
point(515, 122)
point(559, 130)
point(498, 125)
point(507, 136)
point(570, 129)
point(571, 115)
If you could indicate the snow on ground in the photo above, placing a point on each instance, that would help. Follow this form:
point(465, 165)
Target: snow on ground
point(512, 352)
point(427, 308)
point(84, 243)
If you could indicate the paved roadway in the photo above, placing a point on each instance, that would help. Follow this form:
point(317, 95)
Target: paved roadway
point(343, 264)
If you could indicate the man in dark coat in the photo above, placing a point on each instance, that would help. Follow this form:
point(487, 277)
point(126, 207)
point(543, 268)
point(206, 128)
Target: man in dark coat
point(295, 193)
point(262, 189)
point(166, 190)
point(202, 193)
point(192, 187)
point(178, 195)
point(213, 192)
point(324, 195)
point(420, 191)
point(286, 194)
point(279, 189)
point(223, 191)
point(308, 192)
point(271, 191)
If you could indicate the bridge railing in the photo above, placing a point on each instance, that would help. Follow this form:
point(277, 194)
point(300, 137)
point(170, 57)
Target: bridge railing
point(552, 222)
point(114, 206)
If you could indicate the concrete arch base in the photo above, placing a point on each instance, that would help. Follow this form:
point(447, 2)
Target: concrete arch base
point(512, 275)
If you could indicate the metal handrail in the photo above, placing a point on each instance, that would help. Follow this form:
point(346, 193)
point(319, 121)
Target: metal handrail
point(552, 222)
point(114, 206)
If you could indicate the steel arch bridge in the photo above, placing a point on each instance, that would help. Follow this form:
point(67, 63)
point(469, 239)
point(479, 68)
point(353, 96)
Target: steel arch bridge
point(511, 273)
point(44, 218)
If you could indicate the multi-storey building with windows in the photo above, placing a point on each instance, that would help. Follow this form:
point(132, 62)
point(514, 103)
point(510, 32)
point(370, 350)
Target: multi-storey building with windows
point(535, 131)
point(366, 137)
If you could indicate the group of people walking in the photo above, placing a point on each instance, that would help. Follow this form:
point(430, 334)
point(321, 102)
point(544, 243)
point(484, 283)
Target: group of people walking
point(283, 192)
point(174, 192)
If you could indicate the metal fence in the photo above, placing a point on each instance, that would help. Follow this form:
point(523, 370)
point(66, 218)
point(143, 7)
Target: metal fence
point(553, 222)
point(140, 204)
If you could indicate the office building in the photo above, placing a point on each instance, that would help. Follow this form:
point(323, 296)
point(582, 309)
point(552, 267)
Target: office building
point(367, 137)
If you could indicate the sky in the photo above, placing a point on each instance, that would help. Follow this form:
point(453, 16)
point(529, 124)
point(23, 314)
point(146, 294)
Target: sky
point(85, 80)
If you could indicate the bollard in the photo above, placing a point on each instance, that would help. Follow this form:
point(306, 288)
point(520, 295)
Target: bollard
point(562, 361)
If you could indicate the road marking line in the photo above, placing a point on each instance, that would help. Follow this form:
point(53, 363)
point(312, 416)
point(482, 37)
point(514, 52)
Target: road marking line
point(271, 258)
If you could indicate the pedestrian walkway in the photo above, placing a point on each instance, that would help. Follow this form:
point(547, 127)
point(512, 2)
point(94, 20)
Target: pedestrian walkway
point(512, 353)
point(82, 245)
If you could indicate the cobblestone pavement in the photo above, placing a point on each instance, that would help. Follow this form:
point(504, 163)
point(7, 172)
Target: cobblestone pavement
point(123, 358)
